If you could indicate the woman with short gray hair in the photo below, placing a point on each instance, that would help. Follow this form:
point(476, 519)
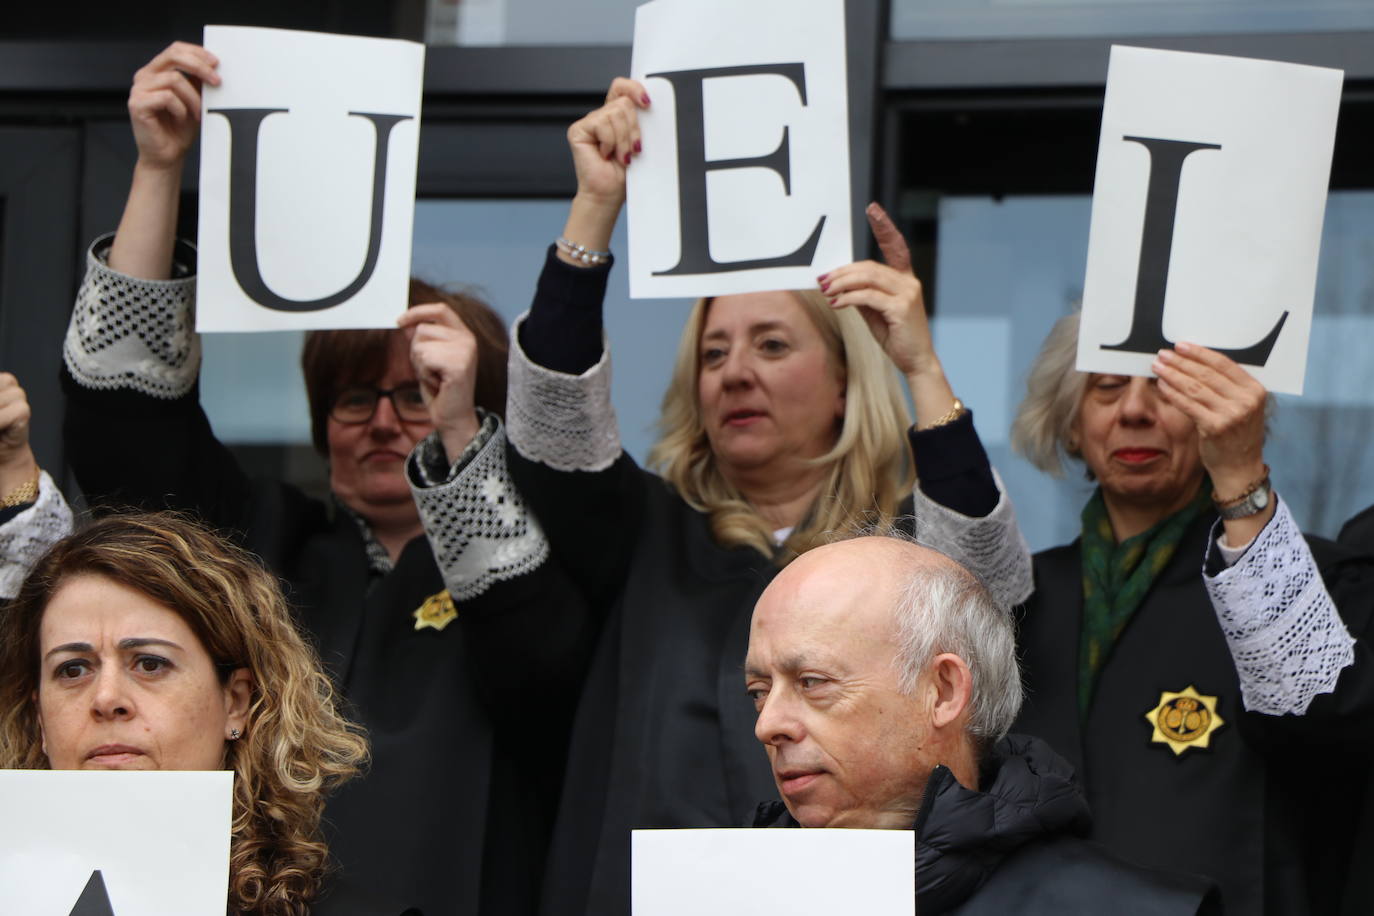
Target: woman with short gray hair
point(1190, 703)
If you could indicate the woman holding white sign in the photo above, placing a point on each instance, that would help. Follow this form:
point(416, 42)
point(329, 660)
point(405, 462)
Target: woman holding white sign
point(421, 522)
point(784, 420)
point(1183, 653)
point(145, 642)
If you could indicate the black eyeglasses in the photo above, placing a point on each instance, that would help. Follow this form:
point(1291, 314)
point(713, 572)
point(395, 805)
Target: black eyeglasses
point(359, 403)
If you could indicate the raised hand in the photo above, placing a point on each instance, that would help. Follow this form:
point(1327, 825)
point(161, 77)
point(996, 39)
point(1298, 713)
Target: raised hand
point(603, 144)
point(444, 354)
point(1226, 404)
point(891, 300)
point(17, 465)
point(605, 140)
point(164, 103)
point(164, 110)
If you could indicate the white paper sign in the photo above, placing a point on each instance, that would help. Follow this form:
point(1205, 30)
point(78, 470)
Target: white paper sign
point(1207, 211)
point(160, 841)
point(743, 184)
point(306, 212)
point(747, 872)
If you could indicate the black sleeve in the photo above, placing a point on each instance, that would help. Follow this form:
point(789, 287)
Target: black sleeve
point(953, 468)
point(591, 518)
point(531, 639)
point(131, 450)
point(563, 330)
point(8, 514)
point(1358, 533)
point(1341, 721)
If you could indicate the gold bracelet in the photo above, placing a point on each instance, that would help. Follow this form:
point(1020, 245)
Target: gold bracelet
point(955, 412)
point(1223, 503)
point(24, 493)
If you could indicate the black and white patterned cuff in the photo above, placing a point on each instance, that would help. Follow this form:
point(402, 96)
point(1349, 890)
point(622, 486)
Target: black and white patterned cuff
point(429, 465)
point(478, 526)
point(131, 333)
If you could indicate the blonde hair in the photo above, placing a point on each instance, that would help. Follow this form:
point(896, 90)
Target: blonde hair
point(296, 747)
point(1043, 429)
point(870, 469)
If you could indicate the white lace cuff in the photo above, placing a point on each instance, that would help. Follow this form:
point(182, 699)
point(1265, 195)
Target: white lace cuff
point(478, 526)
point(132, 333)
point(991, 547)
point(1286, 637)
point(563, 421)
point(24, 538)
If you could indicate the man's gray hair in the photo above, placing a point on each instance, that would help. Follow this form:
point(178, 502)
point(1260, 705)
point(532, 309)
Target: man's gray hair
point(947, 609)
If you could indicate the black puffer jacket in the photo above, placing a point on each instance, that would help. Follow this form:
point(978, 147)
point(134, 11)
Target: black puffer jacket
point(1015, 846)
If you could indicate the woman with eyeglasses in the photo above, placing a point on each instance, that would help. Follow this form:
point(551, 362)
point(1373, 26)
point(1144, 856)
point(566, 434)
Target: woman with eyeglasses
point(422, 534)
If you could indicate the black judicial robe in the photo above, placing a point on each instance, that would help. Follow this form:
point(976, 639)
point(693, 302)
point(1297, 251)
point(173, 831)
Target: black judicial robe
point(1266, 807)
point(452, 816)
point(664, 734)
point(1358, 532)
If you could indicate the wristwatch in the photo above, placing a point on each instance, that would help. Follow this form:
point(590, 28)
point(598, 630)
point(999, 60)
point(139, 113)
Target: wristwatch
point(1252, 503)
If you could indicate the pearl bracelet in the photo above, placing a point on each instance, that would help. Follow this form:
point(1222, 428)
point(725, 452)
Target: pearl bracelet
point(586, 256)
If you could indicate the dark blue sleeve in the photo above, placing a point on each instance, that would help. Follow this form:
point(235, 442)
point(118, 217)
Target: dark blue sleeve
point(953, 469)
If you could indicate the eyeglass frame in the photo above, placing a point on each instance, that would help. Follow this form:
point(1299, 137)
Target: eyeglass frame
point(377, 395)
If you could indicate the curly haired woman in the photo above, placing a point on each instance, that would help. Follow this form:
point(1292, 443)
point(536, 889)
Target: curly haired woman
point(146, 642)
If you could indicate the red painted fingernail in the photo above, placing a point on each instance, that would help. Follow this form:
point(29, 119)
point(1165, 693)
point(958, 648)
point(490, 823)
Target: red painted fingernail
point(644, 98)
point(627, 158)
point(639, 147)
point(822, 277)
point(825, 285)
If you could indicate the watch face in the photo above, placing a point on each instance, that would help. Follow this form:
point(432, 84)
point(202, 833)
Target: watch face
point(1261, 498)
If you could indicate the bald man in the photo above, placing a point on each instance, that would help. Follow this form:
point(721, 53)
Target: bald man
point(885, 680)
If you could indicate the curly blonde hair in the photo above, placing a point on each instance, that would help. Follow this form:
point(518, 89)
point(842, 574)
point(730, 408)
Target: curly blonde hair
point(297, 746)
point(870, 469)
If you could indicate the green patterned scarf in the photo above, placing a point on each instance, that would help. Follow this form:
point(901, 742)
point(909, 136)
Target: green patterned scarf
point(1116, 578)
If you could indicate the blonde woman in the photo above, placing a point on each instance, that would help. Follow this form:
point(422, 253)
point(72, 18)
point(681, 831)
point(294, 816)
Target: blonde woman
point(784, 420)
point(145, 642)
